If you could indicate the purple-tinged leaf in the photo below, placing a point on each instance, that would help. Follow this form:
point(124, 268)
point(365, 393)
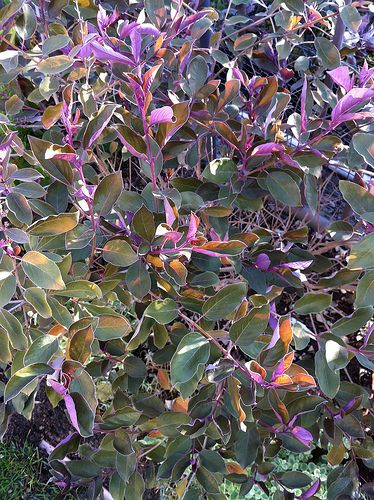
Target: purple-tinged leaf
point(72, 412)
point(346, 106)
point(142, 29)
point(310, 492)
point(267, 149)
point(302, 435)
point(56, 386)
point(136, 45)
point(304, 118)
point(170, 215)
point(192, 227)
point(365, 74)
point(341, 77)
point(263, 262)
point(161, 115)
point(5, 146)
point(103, 20)
point(107, 54)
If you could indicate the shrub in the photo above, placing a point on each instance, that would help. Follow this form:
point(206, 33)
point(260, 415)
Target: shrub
point(167, 265)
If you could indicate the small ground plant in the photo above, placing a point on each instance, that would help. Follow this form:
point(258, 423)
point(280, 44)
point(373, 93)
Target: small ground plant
point(21, 468)
point(169, 263)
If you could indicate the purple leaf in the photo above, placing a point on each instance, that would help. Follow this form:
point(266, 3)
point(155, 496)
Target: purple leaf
point(341, 77)
point(304, 119)
point(5, 146)
point(302, 435)
point(72, 412)
point(56, 386)
point(192, 227)
point(365, 74)
point(103, 20)
point(161, 115)
point(136, 44)
point(267, 149)
point(263, 262)
point(310, 492)
point(344, 108)
point(142, 29)
point(173, 236)
point(107, 54)
point(170, 216)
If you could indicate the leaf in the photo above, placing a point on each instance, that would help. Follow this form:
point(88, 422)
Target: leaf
point(327, 52)
point(138, 280)
point(296, 6)
point(54, 224)
point(107, 193)
point(41, 350)
point(18, 204)
point(336, 355)
point(311, 191)
point(79, 346)
point(80, 414)
point(135, 487)
point(143, 223)
point(81, 289)
point(352, 323)
point(362, 253)
point(9, 60)
point(8, 285)
point(124, 417)
point(188, 363)
point(55, 42)
point(162, 311)
point(59, 169)
point(244, 42)
point(350, 426)
point(245, 331)
point(51, 115)
point(365, 290)
point(351, 18)
point(359, 198)
point(42, 271)
point(364, 145)
point(283, 188)
point(197, 73)
point(23, 377)
point(220, 248)
point(294, 479)
point(55, 65)
point(37, 298)
point(14, 330)
point(112, 327)
point(134, 142)
point(225, 301)
point(220, 171)
point(119, 253)
point(328, 380)
point(313, 303)
point(156, 12)
point(98, 121)
point(247, 444)
point(13, 105)
point(208, 481)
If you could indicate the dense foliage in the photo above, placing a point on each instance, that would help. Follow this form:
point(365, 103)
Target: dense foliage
point(166, 265)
